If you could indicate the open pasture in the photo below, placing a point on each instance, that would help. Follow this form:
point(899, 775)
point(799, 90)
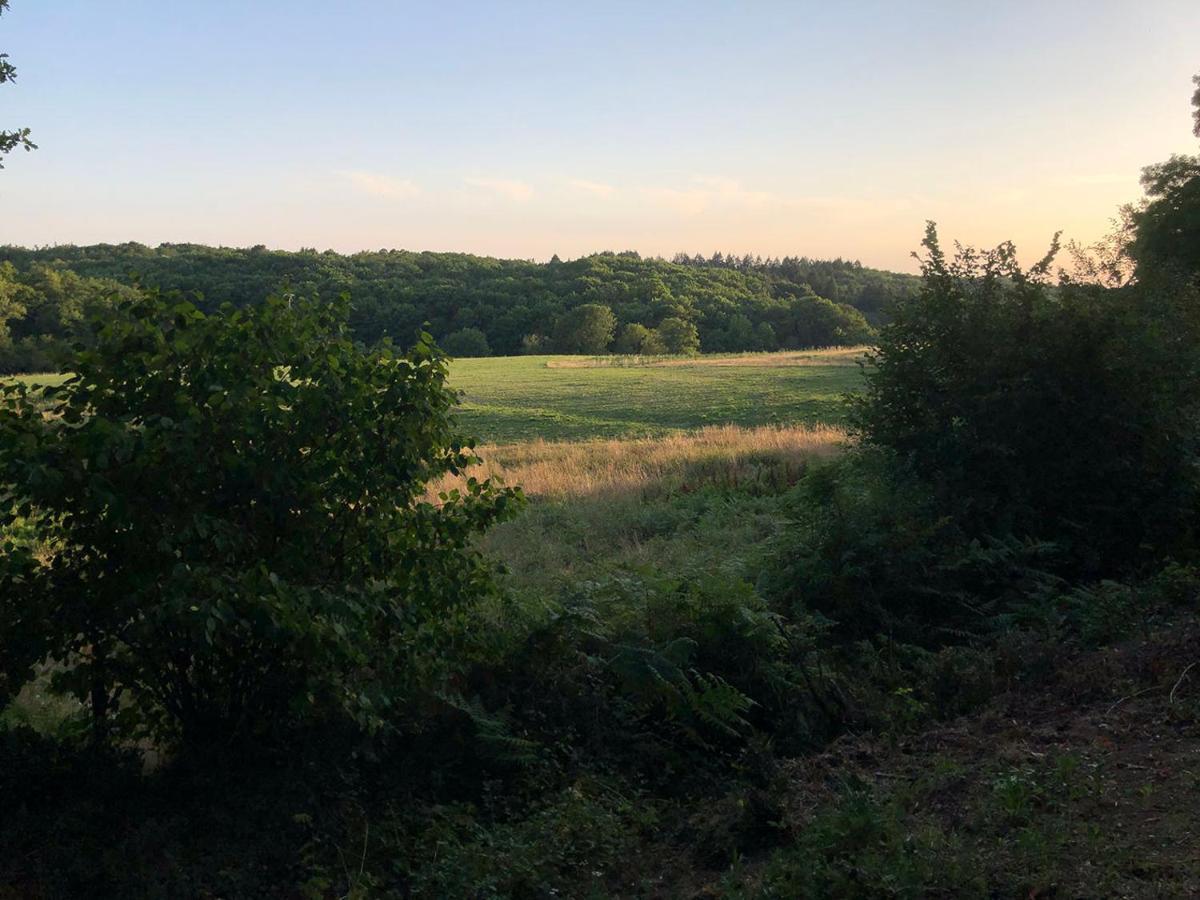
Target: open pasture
point(556, 398)
point(514, 399)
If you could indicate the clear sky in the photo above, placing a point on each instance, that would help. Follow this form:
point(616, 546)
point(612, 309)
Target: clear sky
point(524, 129)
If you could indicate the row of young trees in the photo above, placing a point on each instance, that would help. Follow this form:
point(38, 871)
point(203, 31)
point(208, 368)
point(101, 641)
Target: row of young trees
point(476, 306)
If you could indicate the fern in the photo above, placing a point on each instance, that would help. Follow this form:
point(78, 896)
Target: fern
point(719, 704)
point(496, 740)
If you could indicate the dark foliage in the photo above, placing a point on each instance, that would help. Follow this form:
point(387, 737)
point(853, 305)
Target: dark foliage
point(239, 540)
point(1059, 414)
point(1167, 241)
point(871, 551)
point(466, 342)
point(585, 329)
point(518, 305)
point(1168, 225)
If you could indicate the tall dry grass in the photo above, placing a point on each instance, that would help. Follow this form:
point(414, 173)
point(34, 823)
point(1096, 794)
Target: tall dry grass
point(726, 455)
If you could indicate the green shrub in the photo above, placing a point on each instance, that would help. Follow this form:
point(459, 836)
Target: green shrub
point(860, 846)
point(466, 342)
point(1066, 415)
point(636, 339)
point(678, 336)
point(869, 550)
point(662, 676)
point(588, 328)
point(569, 846)
point(239, 537)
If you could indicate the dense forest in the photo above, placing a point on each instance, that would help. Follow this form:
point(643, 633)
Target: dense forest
point(474, 306)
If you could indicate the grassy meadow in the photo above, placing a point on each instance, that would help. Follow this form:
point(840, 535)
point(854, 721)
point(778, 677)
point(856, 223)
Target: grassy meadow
point(676, 465)
point(631, 464)
point(678, 504)
point(513, 399)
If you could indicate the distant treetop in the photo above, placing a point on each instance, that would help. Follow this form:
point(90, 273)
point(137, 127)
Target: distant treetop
point(477, 304)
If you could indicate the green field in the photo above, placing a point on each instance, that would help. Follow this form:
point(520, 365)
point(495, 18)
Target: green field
point(519, 398)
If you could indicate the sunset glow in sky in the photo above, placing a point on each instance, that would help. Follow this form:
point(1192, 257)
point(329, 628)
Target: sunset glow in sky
point(527, 129)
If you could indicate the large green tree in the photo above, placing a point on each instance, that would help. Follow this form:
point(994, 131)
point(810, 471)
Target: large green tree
point(585, 329)
point(466, 342)
point(636, 339)
point(1066, 414)
point(678, 336)
point(240, 538)
point(11, 307)
point(1196, 104)
point(1168, 225)
point(11, 140)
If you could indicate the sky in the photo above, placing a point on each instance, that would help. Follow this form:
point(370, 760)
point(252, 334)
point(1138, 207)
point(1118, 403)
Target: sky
point(526, 129)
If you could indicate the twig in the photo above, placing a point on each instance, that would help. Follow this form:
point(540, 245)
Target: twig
point(1182, 675)
point(362, 863)
point(1131, 696)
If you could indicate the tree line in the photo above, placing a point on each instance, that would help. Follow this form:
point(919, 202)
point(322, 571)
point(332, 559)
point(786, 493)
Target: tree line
point(474, 306)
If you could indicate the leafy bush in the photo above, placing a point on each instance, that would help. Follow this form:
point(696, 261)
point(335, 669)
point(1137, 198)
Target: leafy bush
point(570, 846)
point(658, 675)
point(1064, 415)
point(466, 342)
point(869, 550)
point(864, 847)
point(239, 540)
point(637, 339)
point(678, 336)
point(587, 328)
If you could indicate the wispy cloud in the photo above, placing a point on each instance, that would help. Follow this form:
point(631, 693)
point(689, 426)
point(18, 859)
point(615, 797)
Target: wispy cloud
point(594, 188)
point(382, 185)
point(508, 188)
point(706, 194)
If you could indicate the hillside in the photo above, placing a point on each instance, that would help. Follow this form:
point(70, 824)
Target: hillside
point(502, 307)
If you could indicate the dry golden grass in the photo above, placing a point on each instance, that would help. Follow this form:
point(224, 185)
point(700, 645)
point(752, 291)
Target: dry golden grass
point(831, 356)
point(726, 455)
